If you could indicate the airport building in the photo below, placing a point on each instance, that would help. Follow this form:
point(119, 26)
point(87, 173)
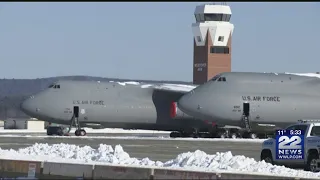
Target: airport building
point(212, 33)
point(22, 123)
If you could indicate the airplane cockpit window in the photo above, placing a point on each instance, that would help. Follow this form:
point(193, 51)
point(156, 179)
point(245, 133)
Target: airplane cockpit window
point(54, 86)
point(218, 78)
point(315, 131)
point(222, 79)
point(215, 78)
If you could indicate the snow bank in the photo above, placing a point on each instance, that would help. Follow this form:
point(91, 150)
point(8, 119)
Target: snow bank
point(105, 154)
point(154, 137)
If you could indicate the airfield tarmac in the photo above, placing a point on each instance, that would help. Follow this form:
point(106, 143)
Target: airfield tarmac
point(154, 149)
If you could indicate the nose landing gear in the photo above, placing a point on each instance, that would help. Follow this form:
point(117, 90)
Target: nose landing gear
point(75, 121)
point(80, 132)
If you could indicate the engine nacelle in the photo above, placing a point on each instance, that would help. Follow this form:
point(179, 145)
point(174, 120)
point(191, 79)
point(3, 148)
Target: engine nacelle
point(176, 113)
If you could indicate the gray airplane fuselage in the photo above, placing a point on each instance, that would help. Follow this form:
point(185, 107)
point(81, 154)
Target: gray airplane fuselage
point(274, 99)
point(109, 104)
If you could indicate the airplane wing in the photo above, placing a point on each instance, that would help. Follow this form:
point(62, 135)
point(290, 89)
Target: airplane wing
point(305, 74)
point(178, 88)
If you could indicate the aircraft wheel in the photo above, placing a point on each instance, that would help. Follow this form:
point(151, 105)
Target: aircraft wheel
point(83, 132)
point(203, 135)
point(222, 135)
point(173, 134)
point(184, 135)
point(77, 133)
point(245, 135)
point(253, 136)
point(234, 136)
point(262, 136)
point(195, 135)
point(59, 132)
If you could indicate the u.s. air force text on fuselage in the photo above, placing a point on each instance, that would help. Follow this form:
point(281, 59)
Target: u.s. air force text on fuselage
point(261, 98)
point(93, 102)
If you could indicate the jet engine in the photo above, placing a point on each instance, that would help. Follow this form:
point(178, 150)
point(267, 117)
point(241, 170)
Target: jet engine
point(176, 113)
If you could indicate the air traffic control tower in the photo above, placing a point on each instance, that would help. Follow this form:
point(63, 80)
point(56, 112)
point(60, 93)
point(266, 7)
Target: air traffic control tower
point(212, 33)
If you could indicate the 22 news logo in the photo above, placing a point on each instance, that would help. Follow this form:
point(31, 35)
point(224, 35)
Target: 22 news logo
point(290, 147)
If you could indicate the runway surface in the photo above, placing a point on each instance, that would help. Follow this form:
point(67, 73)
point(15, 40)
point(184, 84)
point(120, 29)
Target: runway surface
point(154, 149)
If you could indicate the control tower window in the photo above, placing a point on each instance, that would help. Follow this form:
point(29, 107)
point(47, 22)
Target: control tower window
point(212, 17)
point(217, 17)
point(197, 16)
point(226, 17)
point(219, 49)
point(202, 17)
point(198, 38)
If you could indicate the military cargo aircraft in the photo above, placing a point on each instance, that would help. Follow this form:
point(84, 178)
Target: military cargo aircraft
point(113, 105)
point(255, 102)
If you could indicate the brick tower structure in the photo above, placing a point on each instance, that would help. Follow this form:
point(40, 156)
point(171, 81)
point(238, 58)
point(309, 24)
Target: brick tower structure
point(212, 33)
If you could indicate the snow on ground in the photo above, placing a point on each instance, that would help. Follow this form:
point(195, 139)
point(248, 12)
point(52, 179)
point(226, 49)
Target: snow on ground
point(106, 154)
point(88, 130)
point(141, 137)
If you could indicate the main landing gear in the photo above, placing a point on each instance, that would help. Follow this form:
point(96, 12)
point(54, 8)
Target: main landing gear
point(218, 133)
point(195, 133)
point(192, 132)
point(246, 120)
point(75, 121)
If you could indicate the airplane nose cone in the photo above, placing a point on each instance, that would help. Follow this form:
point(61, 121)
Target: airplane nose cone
point(187, 104)
point(25, 106)
point(28, 106)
